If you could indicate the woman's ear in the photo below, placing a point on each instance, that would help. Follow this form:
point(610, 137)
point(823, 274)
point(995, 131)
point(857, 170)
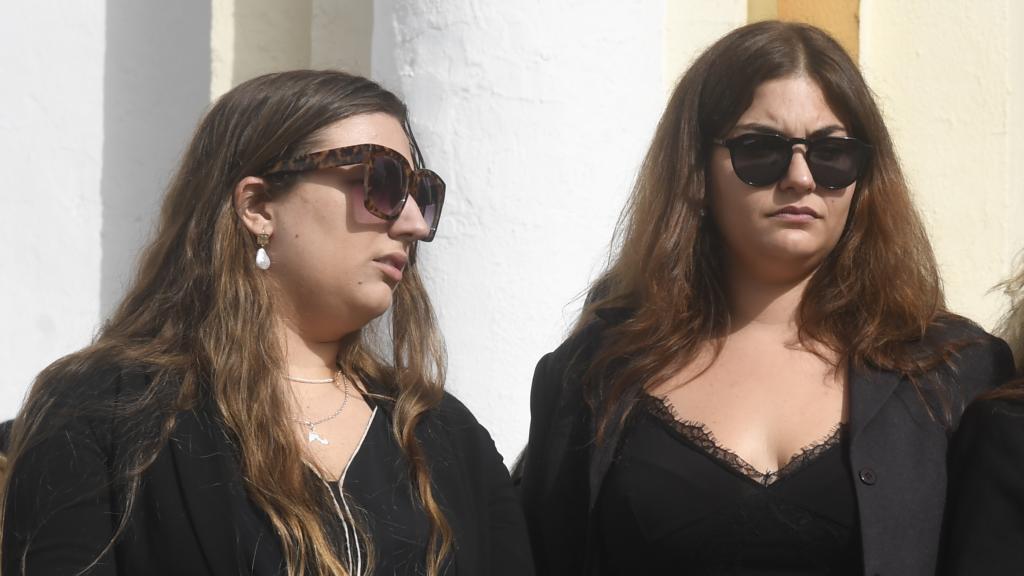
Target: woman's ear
point(252, 204)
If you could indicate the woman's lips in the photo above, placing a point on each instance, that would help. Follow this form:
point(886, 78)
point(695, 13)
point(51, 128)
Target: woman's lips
point(795, 214)
point(392, 265)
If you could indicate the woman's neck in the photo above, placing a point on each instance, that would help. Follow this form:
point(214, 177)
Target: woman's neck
point(756, 300)
point(306, 357)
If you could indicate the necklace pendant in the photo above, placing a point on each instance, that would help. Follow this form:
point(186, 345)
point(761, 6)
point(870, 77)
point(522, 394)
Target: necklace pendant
point(313, 436)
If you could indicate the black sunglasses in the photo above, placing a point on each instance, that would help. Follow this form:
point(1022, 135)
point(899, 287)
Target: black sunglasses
point(762, 159)
point(388, 180)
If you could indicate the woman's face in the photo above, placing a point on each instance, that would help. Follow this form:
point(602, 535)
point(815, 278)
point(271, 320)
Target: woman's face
point(784, 230)
point(334, 264)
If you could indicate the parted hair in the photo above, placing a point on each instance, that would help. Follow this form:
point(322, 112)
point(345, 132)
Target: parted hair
point(200, 320)
point(869, 301)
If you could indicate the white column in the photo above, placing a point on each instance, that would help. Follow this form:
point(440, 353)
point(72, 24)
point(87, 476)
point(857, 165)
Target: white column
point(341, 34)
point(537, 115)
point(51, 138)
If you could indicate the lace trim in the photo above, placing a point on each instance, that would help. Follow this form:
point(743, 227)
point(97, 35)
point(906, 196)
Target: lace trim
point(699, 435)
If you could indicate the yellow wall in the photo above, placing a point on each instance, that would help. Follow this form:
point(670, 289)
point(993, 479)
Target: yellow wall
point(941, 71)
point(840, 17)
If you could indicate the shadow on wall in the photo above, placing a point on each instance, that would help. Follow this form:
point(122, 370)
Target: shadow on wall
point(156, 85)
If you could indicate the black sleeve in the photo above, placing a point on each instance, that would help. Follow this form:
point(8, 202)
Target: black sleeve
point(510, 547)
point(485, 514)
point(984, 366)
point(552, 473)
point(57, 514)
point(985, 508)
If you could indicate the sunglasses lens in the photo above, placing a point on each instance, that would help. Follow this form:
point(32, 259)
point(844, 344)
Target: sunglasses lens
point(759, 159)
point(836, 162)
point(385, 186)
point(430, 198)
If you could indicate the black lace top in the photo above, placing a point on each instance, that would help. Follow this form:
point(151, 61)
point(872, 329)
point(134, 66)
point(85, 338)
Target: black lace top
point(675, 502)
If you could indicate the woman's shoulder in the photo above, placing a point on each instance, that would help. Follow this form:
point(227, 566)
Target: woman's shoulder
point(969, 350)
point(575, 352)
point(80, 396)
point(454, 414)
point(953, 328)
point(991, 437)
point(91, 385)
point(455, 430)
point(996, 415)
point(973, 361)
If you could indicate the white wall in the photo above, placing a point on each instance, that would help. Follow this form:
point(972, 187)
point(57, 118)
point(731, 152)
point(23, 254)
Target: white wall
point(536, 114)
point(156, 85)
point(98, 101)
point(51, 142)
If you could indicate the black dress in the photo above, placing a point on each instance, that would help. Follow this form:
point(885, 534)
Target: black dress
point(374, 494)
point(675, 502)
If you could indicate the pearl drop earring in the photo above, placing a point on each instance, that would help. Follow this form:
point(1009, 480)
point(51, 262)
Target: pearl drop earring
point(262, 258)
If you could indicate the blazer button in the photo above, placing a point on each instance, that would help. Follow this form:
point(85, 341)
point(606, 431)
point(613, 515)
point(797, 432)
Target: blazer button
point(868, 476)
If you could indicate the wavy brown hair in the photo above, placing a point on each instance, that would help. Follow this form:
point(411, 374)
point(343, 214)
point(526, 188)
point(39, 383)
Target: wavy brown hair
point(200, 320)
point(870, 300)
point(1011, 328)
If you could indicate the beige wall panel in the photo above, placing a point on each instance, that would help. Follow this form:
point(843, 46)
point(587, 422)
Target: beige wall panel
point(839, 17)
point(342, 35)
point(253, 37)
point(940, 70)
point(222, 46)
point(1016, 132)
point(693, 25)
point(758, 10)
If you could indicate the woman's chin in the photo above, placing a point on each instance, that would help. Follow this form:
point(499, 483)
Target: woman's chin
point(377, 305)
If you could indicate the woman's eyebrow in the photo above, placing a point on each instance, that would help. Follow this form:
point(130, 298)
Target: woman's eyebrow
point(826, 131)
point(765, 129)
point(757, 127)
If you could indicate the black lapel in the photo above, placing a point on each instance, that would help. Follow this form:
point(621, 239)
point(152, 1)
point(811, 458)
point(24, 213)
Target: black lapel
point(869, 389)
point(207, 475)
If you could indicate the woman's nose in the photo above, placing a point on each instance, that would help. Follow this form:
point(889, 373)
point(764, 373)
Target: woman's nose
point(410, 224)
point(798, 176)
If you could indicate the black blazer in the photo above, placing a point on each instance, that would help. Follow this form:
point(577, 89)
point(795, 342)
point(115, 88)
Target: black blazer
point(897, 453)
point(61, 506)
point(985, 510)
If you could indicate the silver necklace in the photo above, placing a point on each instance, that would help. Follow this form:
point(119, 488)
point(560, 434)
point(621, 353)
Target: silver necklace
point(312, 435)
point(312, 380)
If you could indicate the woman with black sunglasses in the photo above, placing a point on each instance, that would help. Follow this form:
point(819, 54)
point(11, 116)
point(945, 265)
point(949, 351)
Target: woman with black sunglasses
point(243, 410)
point(763, 380)
point(985, 508)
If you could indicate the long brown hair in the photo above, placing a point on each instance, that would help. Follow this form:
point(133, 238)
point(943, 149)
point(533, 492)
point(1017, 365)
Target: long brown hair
point(1011, 328)
point(873, 296)
point(199, 319)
